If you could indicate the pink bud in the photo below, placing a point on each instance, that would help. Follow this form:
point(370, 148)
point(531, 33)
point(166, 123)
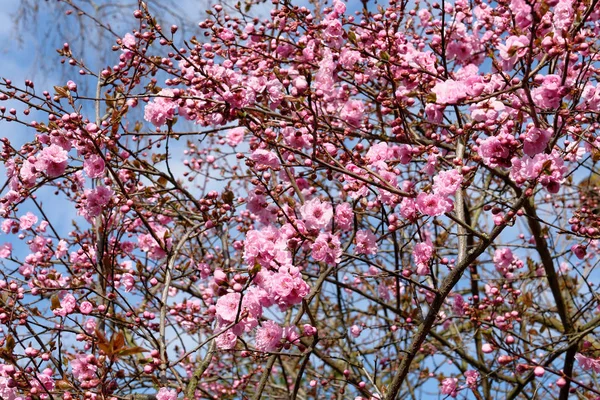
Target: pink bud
point(487, 348)
point(579, 251)
point(220, 277)
point(539, 371)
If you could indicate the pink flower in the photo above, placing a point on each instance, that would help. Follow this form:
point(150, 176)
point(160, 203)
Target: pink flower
point(61, 249)
point(366, 242)
point(128, 42)
point(259, 247)
point(83, 369)
point(515, 48)
point(226, 340)
point(344, 216)
point(67, 305)
point(494, 152)
point(449, 92)
point(27, 221)
point(449, 386)
point(43, 383)
point(86, 307)
point(235, 136)
point(128, 282)
point(265, 158)
point(352, 112)
point(316, 214)
point(227, 307)
point(433, 204)
point(28, 173)
point(550, 93)
point(160, 110)
point(166, 394)
point(549, 169)
point(355, 330)
point(327, 249)
point(268, 336)
point(422, 252)
point(472, 377)
point(503, 258)
point(408, 209)
point(96, 199)
point(588, 363)
point(53, 160)
point(5, 250)
point(535, 140)
point(446, 183)
point(94, 166)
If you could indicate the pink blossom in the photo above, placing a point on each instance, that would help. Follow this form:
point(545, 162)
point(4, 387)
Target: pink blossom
point(44, 383)
point(316, 214)
point(355, 330)
point(166, 394)
point(472, 377)
point(408, 209)
point(96, 199)
point(550, 93)
point(344, 216)
point(422, 252)
point(86, 307)
point(352, 112)
point(160, 110)
point(503, 258)
point(446, 183)
point(61, 249)
point(588, 363)
point(227, 307)
point(449, 92)
point(433, 204)
point(128, 42)
point(259, 247)
point(5, 250)
point(226, 340)
point(67, 305)
point(327, 248)
point(549, 169)
point(94, 166)
point(449, 387)
point(8, 225)
point(265, 158)
point(268, 336)
point(27, 221)
point(128, 282)
point(235, 136)
point(535, 140)
point(28, 173)
point(83, 369)
point(494, 152)
point(366, 242)
point(53, 160)
point(515, 48)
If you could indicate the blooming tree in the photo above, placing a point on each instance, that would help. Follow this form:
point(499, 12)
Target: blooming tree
point(376, 203)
